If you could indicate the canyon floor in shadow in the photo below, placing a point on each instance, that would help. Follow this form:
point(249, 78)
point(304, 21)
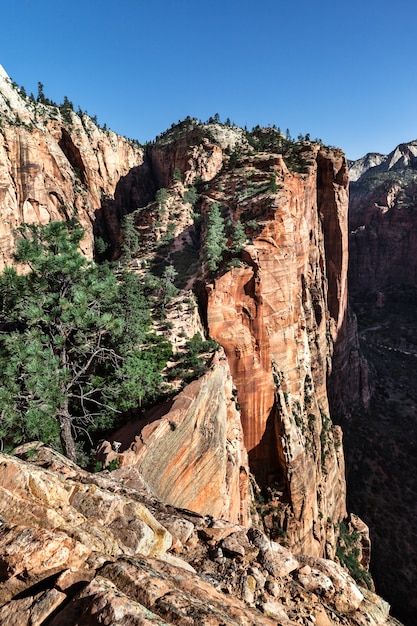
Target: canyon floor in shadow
point(381, 447)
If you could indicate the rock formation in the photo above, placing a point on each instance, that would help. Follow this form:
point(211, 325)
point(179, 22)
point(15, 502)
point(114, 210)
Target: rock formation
point(78, 548)
point(360, 166)
point(191, 452)
point(275, 318)
point(277, 305)
point(54, 165)
point(277, 314)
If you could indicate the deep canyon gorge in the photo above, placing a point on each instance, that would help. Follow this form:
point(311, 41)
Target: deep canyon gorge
point(228, 504)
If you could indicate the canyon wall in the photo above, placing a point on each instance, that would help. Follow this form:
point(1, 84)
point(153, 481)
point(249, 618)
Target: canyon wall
point(277, 306)
point(55, 164)
point(278, 309)
point(381, 441)
point(277, 318)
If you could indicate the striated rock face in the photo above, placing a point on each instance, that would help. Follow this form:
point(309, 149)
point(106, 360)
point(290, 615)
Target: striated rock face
point(191, 452)
point(54, 165)
point(278, 314)
point(88, 549)
point(277, 318)
point(277, 307)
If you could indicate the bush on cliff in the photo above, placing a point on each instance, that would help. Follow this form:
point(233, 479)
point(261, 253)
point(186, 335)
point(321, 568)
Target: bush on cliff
point(75, 347)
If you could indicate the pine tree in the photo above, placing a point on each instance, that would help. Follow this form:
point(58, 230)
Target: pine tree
point(161, 197)
point(74, 348)
point(238, 237)
point(130, 238)
point(215, 242)
point(41, 94)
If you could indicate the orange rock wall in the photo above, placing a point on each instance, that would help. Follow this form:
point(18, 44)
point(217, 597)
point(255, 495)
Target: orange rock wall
point(277, 318)
point(193, 456)
point(52, 169)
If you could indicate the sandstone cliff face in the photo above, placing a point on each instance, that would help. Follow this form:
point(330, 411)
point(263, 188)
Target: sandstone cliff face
point(277, 315)
point(277, 312)
point(277, 318)
point(78, 548)
point(193, 454)
point(53, 166)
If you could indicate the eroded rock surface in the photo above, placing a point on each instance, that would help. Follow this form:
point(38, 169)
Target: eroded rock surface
point(56, 567)
point(277, 318)
point(278, 310)
point(54, 165)
point(193, 454)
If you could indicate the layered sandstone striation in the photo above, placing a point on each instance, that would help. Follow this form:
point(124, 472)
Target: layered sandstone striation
point(278, 309)
point(80, 548)
point(55, 164)
point(277, 318)
point(191, 451)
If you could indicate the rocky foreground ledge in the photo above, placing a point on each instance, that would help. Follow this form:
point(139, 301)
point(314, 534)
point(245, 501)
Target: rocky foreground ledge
point(81, 548)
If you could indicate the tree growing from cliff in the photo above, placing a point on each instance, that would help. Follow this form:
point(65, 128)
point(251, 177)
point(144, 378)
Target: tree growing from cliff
point(130, 239)
point(238, 237)
point(215, 241)
point(74, 343)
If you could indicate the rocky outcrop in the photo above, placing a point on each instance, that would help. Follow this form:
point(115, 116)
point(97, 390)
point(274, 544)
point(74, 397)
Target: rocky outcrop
point(278, 313)
point(191, 451)
point(55, 164)
point(89, 549)
point(277, 317)
point(360, 166)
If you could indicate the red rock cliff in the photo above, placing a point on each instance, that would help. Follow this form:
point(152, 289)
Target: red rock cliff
point(277, 313)
point(277, 317)
point(53, 166)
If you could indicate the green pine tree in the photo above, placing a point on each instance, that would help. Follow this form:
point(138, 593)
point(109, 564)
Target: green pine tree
point(238, 237)
point(74, 348)
point(130, 239)
point(215, 242)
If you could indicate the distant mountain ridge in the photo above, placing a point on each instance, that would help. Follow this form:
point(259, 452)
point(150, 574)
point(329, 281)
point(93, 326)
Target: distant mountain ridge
point(403, 156)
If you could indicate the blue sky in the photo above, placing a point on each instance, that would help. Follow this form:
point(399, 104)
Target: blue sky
point(342, 71)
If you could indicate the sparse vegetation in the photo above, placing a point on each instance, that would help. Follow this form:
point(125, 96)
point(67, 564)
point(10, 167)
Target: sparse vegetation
point(348, 552)
point(191, 363)
point(215, 242)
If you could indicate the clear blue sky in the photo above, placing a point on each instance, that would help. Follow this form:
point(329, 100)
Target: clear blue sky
point(342, 71)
